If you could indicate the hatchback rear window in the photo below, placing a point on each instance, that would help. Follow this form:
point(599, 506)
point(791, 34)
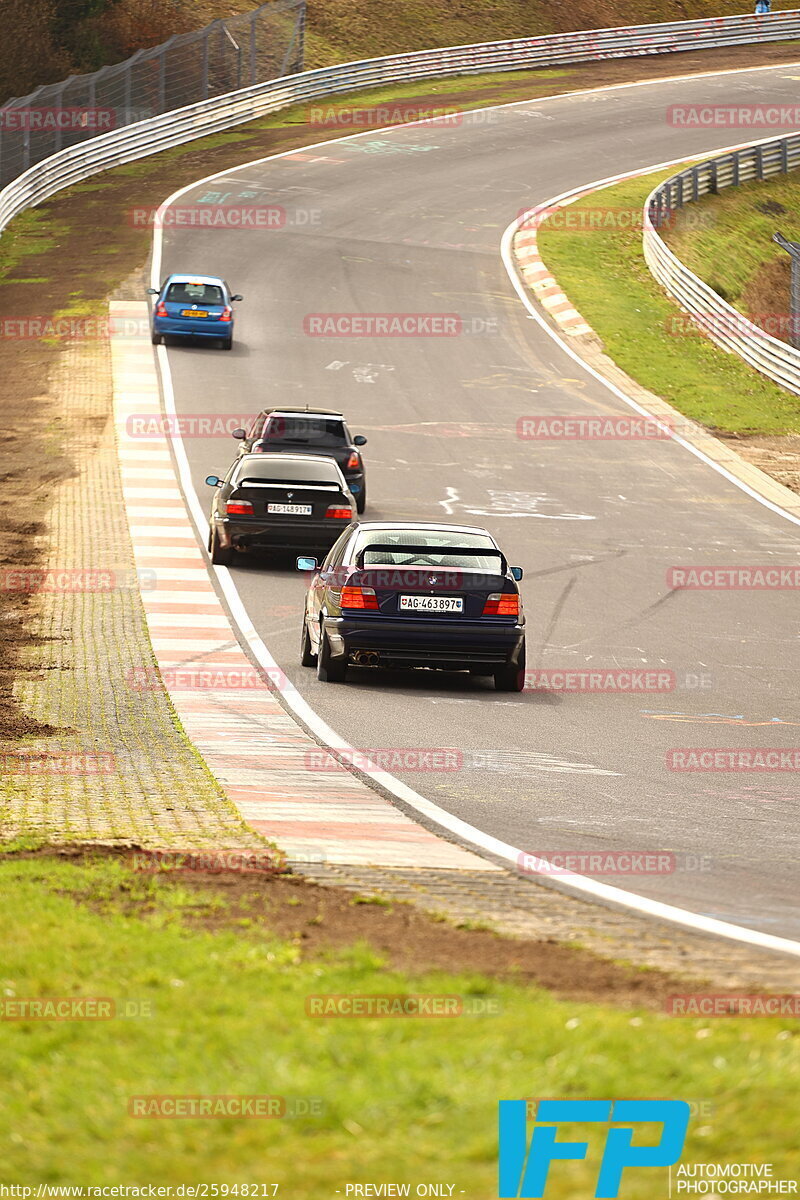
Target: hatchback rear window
point(194, 293)
point(304, 431)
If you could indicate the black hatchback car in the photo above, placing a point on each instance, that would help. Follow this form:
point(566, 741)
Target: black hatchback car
point(290, 430)
point(411, 594)
point(295, 501)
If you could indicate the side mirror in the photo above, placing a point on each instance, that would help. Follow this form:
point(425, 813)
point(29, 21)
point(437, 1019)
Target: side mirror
point(152, 292)
point(306, 564)
point(359, 440)
point(239, 434)
point(213, 481)
point(517, 573)
point(237, 297)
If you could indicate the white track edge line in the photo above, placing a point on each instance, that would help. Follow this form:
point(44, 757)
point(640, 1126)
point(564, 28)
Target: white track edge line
point(578, 883)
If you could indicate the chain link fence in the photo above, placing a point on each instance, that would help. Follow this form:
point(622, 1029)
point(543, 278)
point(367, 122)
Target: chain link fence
point(224, 57)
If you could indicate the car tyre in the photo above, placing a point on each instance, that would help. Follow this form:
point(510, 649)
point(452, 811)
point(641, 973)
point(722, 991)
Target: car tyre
point(156, 339)
point(220, 555)
point(227, 343)
point(329, 670)
point(307, 656)
point(361, 500)
point(511, 678)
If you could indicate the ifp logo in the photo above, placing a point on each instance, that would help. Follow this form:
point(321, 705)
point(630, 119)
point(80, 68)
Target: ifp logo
point(524, 1169)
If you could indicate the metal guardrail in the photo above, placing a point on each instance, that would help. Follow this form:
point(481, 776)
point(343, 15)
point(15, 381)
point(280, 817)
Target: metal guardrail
point(70, 166)
point(724, 324)
point(247, 49)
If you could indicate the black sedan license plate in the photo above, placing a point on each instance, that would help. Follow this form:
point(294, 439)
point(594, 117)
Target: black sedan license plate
point(291, 510)
point(433, 604)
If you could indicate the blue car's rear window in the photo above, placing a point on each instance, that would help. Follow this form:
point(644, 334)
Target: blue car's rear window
point(194, 293)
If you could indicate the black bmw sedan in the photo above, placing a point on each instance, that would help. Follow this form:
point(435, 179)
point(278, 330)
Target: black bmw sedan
point(412, 594)
point(289, 501)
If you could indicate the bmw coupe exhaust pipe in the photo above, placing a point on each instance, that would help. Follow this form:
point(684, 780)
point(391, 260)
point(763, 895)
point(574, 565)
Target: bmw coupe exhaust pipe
point(365, 658)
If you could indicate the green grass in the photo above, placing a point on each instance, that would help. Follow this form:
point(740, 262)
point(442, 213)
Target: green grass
point(29, 234)
point(342, 30)
point(403, 1099)
point(727, 239)
point(604, 274)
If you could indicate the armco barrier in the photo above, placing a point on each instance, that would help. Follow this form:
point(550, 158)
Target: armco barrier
point(719, 320)
point(223, 112)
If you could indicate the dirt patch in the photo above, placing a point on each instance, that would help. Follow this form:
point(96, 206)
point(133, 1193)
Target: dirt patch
point(767, 294)
point(320, 920)
point(96, 247)
point(777, 456)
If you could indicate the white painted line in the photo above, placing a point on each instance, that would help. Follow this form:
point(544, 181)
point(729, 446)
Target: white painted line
point(475, 837)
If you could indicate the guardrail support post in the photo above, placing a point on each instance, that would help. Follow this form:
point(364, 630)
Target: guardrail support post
point(793, 249)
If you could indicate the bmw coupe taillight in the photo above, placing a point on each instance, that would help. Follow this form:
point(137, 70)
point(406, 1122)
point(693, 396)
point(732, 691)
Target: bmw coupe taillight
point(338, 514)
point(359, 597)
point(161, 310)
point(354, 461)
point(501, 604)
point(239, 508)
point(226, 313)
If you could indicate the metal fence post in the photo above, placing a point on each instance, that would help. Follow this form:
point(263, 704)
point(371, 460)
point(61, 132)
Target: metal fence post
point(204, 83)
point(253, 49)
point(58, 141)
point(793, 249)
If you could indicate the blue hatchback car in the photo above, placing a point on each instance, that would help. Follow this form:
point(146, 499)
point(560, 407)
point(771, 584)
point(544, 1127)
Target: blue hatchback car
point(193, 306)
